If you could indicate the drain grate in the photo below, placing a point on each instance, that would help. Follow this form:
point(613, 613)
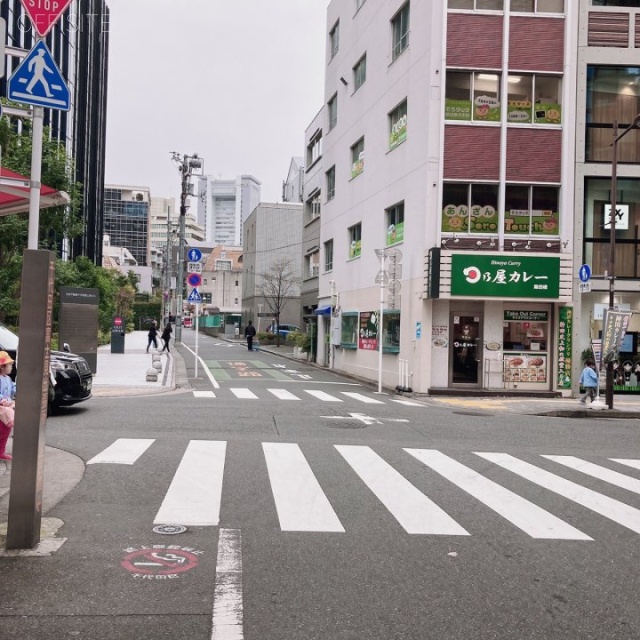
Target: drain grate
point(345, 424)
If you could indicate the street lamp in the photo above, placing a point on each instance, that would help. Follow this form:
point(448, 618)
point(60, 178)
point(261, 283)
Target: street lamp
point(612, 238)
point(187, 165)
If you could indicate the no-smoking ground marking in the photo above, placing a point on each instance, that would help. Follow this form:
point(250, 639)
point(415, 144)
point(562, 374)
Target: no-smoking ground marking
point(160, 562)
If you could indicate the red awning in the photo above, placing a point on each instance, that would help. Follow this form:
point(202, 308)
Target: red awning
point(14, 194)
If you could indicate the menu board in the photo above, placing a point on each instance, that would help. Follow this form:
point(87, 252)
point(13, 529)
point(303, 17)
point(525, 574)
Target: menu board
point(525, 367)
point(368, 334)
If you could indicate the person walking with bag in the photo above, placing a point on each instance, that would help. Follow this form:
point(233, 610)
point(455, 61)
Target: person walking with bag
point(7, 402)
point(166, 336)
point(249, 334)
point(153, 335)
point(589, 380)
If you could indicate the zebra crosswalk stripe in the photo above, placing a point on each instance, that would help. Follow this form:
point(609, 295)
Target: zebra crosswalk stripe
point(619, 512)
point(525, 515)
point(634, 464)
point(596, 471)
point(244, 394)
point(362, 398)
point(195, 493)
point(122, 451)
point(301, 503)
point(322, 395)
point(411, 508)
point(283, 394)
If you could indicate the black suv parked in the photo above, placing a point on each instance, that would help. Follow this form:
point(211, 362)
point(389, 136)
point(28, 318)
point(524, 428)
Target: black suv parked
point(70, 377)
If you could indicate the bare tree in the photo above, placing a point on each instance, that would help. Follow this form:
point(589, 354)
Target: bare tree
point(277, 285)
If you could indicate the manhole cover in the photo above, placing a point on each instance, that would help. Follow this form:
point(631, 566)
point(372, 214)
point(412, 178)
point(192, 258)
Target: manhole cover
point(345, 424)
point(481, 414)
point(169, 529)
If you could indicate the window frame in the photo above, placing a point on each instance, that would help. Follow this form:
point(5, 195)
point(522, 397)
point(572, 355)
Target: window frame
point(360, 72)
point(400, 35)
point(355, 241)
point(328, 255)
point(332, 111)
point(389, 316)
point(334, 39)
point(397, 128)
point(357, 157)
point(330, 177)
point(349, 327)
point(394, 233)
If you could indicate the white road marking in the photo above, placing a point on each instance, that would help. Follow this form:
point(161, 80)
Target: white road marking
point(321, 395)
point(227, 623)
point(283, 394)
point(407, 403)
point(300, 501)
point(204, 394)
point(244, 394)
point(122, 451)
point(634, 464)
point(608, 507)
point(525, 515)
point(359, 396)
point(214, 382)
point(596, 471)
point(196, 489)
point(411, 508)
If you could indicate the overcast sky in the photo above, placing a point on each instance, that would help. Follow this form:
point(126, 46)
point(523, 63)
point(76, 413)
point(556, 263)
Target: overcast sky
point(236, 81)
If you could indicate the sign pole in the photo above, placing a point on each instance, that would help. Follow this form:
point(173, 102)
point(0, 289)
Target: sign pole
point(197, 331)
point(36, 175)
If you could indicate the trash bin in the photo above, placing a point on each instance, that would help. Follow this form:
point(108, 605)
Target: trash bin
point(117, 335)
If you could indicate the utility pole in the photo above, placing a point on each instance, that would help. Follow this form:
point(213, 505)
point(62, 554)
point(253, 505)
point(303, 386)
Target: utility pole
point(186, 165)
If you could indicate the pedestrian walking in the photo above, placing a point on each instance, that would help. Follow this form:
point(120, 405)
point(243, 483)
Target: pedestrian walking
point(249, 334)
point(7, 402)
point(166, 336)
point(589, 380)
point(153, 335)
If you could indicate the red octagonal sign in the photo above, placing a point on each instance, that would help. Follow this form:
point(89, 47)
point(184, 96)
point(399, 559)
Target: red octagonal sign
point(45, 13)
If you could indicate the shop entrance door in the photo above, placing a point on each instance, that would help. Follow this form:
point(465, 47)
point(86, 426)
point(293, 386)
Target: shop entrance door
point(466, 349)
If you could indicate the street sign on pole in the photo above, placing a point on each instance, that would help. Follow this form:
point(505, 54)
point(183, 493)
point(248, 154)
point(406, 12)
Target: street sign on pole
point(194, 255)
point(38, 81)
point(44, 13)
point(194, 279)
point(194, 296)
point(584, 273)
point(194, 267)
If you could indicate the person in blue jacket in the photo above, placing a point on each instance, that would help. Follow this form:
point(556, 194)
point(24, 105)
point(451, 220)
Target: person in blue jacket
point(589, 380)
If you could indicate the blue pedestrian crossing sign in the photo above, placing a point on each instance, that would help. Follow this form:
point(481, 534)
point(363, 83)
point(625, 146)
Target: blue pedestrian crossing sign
point(584, 273)
point(38, 81)
point(194, 296)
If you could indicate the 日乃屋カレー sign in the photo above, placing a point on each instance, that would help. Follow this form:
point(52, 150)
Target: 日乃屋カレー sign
point(44, 13)
point(491, 276)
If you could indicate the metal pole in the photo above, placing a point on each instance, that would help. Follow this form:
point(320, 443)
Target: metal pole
point(167, 271)
point(197, 331)
point(36, 176)
point(381, 312)
point(612, 252)
point(183, 213)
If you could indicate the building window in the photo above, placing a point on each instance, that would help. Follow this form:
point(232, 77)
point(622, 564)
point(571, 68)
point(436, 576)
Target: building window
point(332, 106)
point(334, 39)
point(395, 224)
point(223, 265)
point(328, 255)
point(355, 241)
point(534, 98)
point(470, 208)
point(531, 210)
point(313, 206)
point(398, 125)
point(400, 31)
point(357, 158)
point(314, 148)
point(349, 330)
point(538, 6)
point(597, 226)
point(391, 331)
point(478, 5)
point(472, 96)
point(331, 183)
point(613, 93)
point(360, 72)
point(237, 283)
point(312, 265)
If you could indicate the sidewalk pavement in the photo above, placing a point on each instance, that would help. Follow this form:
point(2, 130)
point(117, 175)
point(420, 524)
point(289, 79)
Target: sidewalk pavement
point(120, 374)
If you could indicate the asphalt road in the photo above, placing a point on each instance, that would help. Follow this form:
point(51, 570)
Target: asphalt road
point(312, 513)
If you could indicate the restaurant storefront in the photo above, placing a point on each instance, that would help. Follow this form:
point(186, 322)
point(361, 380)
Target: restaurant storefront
point(502, 322)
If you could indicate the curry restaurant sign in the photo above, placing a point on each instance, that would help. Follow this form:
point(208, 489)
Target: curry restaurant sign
point(506, 276)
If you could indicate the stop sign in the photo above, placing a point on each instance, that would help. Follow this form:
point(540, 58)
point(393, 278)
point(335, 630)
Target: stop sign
point(44, 13)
